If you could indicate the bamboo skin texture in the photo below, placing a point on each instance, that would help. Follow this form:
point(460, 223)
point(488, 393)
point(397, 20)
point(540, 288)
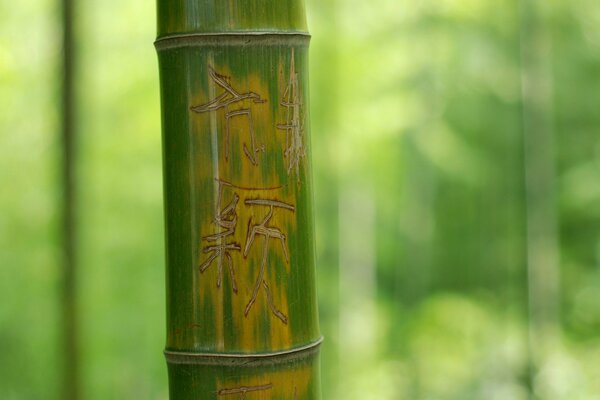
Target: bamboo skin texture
point(241, 302)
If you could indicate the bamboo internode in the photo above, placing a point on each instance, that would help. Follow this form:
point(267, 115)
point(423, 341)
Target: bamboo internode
point(241, 301)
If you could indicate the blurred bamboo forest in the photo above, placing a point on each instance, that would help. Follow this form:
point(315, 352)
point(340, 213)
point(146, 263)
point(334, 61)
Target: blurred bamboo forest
point(457, 164)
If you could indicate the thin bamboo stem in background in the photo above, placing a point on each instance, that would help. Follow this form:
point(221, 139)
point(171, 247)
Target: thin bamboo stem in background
point(69, 288)
point(542, 244)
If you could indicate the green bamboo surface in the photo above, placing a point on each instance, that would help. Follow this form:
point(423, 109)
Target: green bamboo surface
point(241, 302)
point(177, 17)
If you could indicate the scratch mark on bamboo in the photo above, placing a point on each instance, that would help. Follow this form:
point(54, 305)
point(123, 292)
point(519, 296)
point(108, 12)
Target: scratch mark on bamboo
point(243, 390)
point(229, 184)
point(179, 331)
point(274, 309)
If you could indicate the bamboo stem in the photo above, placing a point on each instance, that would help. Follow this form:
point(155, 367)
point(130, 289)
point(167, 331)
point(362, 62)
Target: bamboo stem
point(543, 276)
point(69, 228)
point(241, 302)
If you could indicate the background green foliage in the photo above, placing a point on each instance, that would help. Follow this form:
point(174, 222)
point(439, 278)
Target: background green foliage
point(419, 156)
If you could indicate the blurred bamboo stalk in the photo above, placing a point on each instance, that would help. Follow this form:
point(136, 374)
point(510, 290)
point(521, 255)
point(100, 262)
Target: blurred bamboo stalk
point(542, 244)
point(69, 289)
point(325, 91)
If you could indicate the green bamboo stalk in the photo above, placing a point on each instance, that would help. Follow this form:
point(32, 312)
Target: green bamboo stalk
point(542, 242)
point(241, 300)
point(70, 337)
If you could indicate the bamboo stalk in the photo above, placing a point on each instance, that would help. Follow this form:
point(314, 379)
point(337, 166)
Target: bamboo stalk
point(70, 384)
point(542, 242)
point(241, 300)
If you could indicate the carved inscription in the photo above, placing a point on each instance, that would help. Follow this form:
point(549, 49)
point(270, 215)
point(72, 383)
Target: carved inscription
point(219, 247)
point(231, 97)
point(243, 390)
point(269, 232)
point(220, 244)
point(293, 125)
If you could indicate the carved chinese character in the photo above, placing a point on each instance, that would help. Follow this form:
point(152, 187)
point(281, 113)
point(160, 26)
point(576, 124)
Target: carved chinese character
point(294, 123)
point(268, 231)
point(227, 98)
point(226, 219)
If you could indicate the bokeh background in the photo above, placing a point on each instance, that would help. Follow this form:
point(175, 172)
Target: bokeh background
point(456, 155)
